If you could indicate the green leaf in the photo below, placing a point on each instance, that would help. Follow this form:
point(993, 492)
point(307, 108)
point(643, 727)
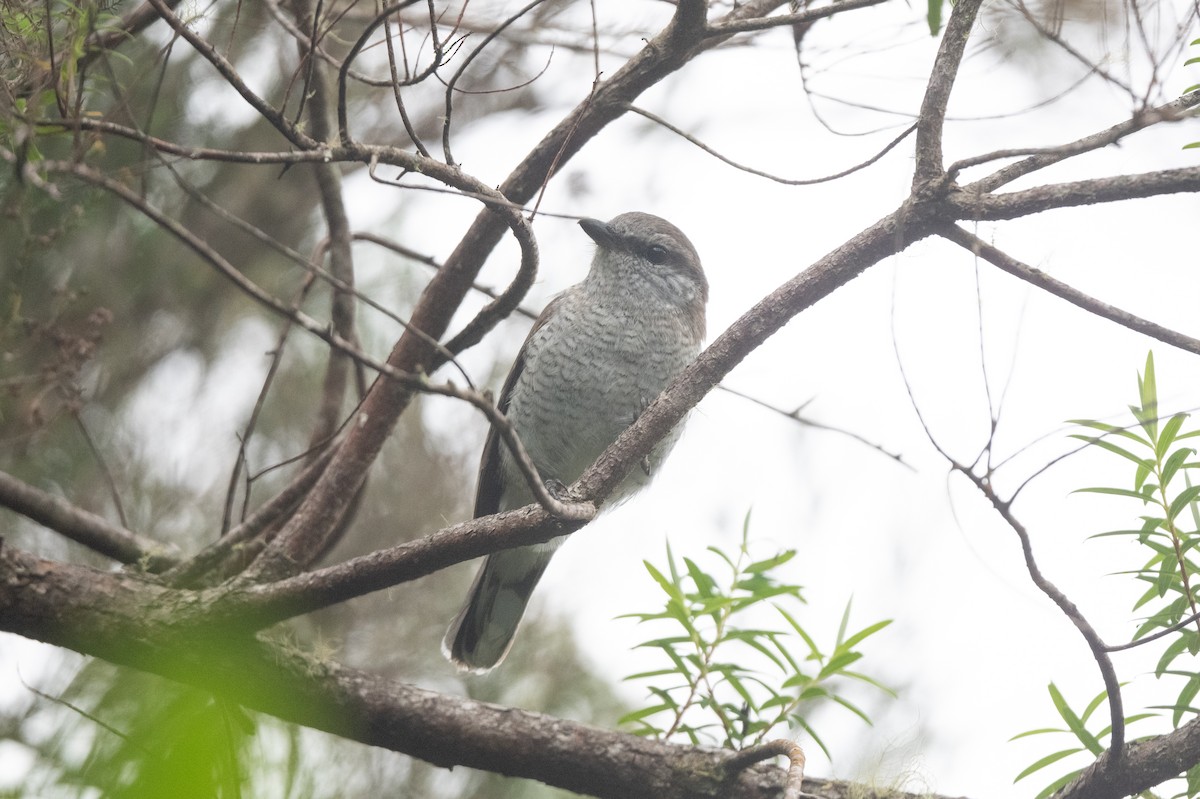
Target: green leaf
point(1174, 463)
point(1040, 731)
point(800, 722)
point(1169, 431)
point(1148, 393)
point(1053, 787)
point(812, 645)
point(933, 16)
point(1183, 703)
point(866, 633)
point(705, 584)
point(1073, 722)
point(1119, 492)
point(1180, 502)
point(1110, 429)
point(638, 715)
point(1091, 708)
point(1046, 761)
point(846, 703)
point(669, 587)
point(770, 563)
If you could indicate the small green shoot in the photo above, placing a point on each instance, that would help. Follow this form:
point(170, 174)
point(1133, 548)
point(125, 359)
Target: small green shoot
point(726, 680)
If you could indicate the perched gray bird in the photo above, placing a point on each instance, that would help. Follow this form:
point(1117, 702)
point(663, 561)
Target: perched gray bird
point(596, 357)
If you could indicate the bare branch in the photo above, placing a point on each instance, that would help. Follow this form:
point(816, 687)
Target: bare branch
point(1072, 295)
point(343, 123)
point(434, 264)
point(231, 76)
point(932, 117)
point(795, 416)
point(768, 175)
point(448, 116)
point(210, 560)
point(1112, 686)
point(1042, 157)
point(744, 23)
point(123, 620)
point(1068, 195)
point(83, 527)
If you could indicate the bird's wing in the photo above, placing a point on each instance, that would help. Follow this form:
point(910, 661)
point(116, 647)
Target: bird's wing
point(490, 485)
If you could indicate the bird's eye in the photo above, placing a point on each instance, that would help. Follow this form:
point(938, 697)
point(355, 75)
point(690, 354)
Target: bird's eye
point(656, 254)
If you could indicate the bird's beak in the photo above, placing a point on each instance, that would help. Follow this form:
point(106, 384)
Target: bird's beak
point(601, 233)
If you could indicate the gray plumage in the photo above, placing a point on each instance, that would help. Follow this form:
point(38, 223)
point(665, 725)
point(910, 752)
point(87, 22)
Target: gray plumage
point(600, 352)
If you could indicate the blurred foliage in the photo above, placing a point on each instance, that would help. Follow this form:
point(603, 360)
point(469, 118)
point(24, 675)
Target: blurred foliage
point(128, 370)
point(1162, 453)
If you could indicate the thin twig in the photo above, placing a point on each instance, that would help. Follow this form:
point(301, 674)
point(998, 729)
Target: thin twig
point(1100, 650)
point(259, 404)
point(231, 76)
point(1038, 278)
point(109, 480)
point(1045, 156)
point(768, 175)
point(1179, 625)
point(756, 23)
point(450, 84)
point(186, 573)
point(343, 73)
point(795, 416)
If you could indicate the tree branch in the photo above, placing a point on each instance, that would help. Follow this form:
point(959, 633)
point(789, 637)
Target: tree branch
point(1038, 278)
point(83, 527)
point(126, 621)
point(1112, 758)
point(746, 24)
point(968, 205)
point(231, 76)
point(931, 119)
point(1039, 159)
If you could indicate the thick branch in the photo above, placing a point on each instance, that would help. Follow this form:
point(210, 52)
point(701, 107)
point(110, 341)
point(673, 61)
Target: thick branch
point(1082, 192)
point(121, 619)
point(931, 119)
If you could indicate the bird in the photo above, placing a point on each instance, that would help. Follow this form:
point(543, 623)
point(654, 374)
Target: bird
point(599, 353)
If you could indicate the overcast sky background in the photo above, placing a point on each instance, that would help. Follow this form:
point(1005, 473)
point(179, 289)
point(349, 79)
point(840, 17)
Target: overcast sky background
point(974, 644)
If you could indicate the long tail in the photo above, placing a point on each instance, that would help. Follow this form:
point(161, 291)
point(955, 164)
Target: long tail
point(482, 632)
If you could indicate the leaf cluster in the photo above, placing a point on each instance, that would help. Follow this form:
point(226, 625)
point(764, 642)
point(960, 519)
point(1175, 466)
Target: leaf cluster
point(727, 680)
point(1158, 449)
